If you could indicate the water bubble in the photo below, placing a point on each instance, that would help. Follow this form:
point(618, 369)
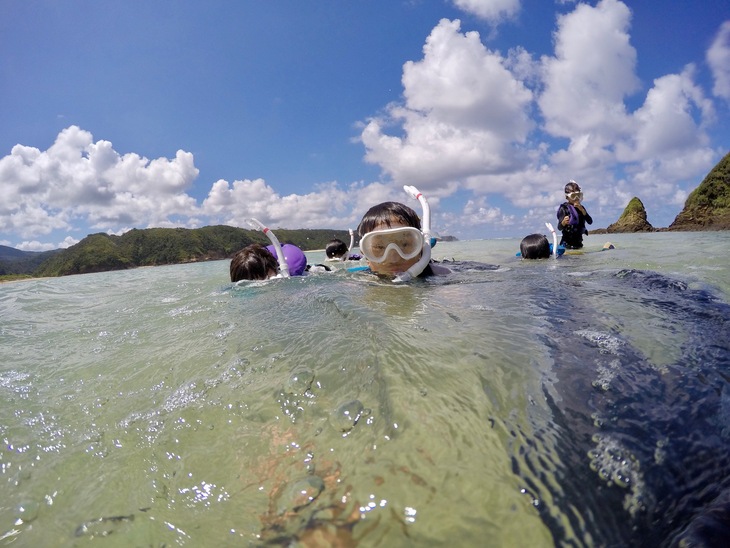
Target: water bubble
point(293, 397)
point(660, 452)
point(621, 478)
point(300, 381)
point(616, 465)
point(26, 512)
point(301, 493)
point(346, 416)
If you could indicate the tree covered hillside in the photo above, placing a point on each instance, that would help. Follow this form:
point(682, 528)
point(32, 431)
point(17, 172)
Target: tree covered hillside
point(163, 246)
point(708, 206)
point(16, 262)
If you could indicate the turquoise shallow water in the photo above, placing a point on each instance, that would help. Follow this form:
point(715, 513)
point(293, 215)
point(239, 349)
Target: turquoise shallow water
point(583, 401)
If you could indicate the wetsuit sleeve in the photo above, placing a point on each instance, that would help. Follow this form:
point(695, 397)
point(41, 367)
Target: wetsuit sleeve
point(561, 214)
point(589, 219)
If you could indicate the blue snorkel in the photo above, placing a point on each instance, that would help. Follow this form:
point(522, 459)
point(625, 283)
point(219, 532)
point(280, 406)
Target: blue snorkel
point(421, 265)
point(283, 265)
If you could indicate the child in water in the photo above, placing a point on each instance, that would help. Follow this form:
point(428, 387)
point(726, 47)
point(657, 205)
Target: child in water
point(256, 262)
point(392, 242)
point(253, 262)
point(337, 250)
point(535, 246)
point(572, 217)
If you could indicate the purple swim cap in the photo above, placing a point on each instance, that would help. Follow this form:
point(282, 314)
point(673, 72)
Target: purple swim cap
point(295, 258)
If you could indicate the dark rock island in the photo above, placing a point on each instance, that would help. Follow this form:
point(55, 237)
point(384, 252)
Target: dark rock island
point(707, 207)
point(633, 219)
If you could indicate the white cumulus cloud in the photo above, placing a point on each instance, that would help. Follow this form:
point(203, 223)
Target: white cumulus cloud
point(514, 126)
point(718, 57)
point(328, 205)
point(463, 112)
point(493, 11)
point(79, 178)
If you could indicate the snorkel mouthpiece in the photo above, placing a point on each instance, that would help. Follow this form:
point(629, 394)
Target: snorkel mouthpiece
point(421, 265)
point(417, 268)
point(283, 265)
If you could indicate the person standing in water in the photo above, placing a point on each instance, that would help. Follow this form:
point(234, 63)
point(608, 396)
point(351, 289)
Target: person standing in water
point(572, 217)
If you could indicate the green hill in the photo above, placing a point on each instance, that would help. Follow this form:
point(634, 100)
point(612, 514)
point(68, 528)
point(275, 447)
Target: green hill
point(163, 246)
point(708, 206)
point(633, 219)
point(14, 262)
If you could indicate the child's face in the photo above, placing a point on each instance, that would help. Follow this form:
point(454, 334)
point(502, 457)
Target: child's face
point(393, 264)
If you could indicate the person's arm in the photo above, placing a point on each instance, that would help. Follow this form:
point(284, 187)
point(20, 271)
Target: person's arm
point(582, 209)
point(561, 217)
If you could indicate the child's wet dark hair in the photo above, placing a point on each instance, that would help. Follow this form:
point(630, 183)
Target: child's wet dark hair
point(535, 246)
point(253, 262)
point(572, 186)
point(335, 248)
point(387, 214)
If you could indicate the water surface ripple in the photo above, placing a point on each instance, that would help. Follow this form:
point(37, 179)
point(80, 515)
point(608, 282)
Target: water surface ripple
point(578, 402)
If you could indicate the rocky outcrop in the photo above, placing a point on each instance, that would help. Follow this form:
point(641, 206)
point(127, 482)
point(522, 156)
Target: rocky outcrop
point(708, 206)
point(633, 219)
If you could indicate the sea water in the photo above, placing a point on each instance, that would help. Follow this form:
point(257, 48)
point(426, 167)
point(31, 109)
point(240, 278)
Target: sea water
point(580, 401)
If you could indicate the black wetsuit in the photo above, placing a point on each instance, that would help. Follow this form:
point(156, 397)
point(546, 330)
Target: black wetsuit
point(573, 232)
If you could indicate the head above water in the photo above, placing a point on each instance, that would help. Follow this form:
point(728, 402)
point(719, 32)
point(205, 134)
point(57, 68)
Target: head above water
point(573, 192)
point(535, 246)
point(253, 262)
point(388, 215)
point(335, 249)
point(385, 216)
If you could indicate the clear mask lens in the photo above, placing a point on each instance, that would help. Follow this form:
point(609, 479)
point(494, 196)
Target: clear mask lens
point(405, 241)
point(575, 196)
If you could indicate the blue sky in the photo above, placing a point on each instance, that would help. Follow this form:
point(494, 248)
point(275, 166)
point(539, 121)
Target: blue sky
point(135, 114)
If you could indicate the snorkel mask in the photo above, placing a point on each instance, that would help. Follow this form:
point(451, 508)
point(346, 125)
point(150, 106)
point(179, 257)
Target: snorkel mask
point(283, 265)
point(406, 241)
point(574, 196)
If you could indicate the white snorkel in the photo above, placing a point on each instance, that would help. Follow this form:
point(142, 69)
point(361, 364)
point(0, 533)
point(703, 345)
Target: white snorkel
point(555, 239)
point(346, 256)
point(421, 265)
point(283, 265)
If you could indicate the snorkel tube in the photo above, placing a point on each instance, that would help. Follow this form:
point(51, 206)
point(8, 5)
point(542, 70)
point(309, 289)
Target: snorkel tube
point(421, 265)
point(283, 265)
point(555, 239)
point(346, 256)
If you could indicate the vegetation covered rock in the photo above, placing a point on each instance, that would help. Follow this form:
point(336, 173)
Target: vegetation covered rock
point(633, 219)
point(708, 206)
